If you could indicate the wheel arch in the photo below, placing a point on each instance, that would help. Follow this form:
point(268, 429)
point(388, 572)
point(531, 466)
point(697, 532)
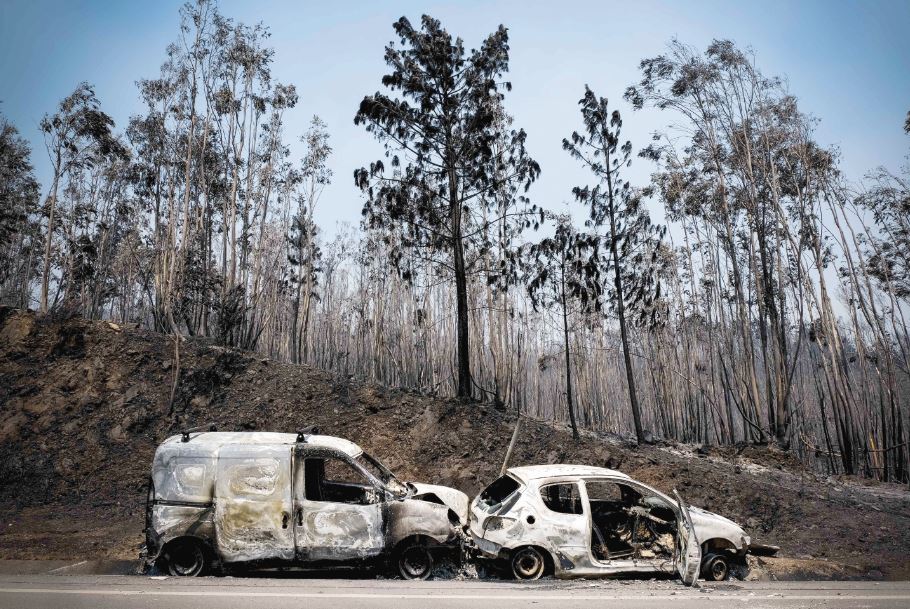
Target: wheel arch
point(410, 519)
point(718, 545)
point(210, 554)
point(415, 539)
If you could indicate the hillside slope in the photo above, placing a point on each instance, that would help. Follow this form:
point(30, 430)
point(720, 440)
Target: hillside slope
point(83, 405)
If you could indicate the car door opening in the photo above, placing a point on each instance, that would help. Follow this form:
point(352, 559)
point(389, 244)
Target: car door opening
point(627, 525)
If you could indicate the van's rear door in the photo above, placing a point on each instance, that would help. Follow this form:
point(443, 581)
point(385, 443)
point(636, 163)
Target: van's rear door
point(253, 503)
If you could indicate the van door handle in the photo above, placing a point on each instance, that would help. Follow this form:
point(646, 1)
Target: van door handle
point(284, 519)
point(300, 517)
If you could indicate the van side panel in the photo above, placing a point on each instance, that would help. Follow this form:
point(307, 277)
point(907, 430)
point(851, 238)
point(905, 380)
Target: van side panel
point(173, 521)
point(253, 503)
point(184, 473)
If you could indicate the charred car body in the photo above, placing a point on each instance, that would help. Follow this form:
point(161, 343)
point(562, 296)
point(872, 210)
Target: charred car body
point(263, 499)
point(580, 521)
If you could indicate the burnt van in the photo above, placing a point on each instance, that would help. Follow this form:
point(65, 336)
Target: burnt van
point(224, 500)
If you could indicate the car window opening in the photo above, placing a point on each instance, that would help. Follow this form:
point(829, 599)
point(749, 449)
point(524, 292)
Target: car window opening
point(497, 492)
point(562, 498)
point(335, 480)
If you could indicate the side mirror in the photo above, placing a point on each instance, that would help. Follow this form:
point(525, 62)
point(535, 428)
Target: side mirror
point(370, 496)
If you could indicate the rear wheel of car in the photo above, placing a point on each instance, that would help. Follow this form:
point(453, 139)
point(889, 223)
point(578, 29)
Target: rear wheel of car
point(528, 563)
point(415, 562)
point(715, 567)
point(184, 558)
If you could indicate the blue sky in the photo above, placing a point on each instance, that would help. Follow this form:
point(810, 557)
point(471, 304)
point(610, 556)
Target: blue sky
point(848, 62)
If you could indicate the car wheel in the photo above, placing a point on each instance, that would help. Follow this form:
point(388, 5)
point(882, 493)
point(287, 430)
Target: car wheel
point(716, 568)
point(415, 562)
point(184, 558)
point(528, 563)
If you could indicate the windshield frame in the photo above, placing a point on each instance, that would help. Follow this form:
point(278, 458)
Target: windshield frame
point(388, 479)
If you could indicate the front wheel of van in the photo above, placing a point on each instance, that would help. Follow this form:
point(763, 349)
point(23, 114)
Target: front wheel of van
point(415, 562)
point(184, 558)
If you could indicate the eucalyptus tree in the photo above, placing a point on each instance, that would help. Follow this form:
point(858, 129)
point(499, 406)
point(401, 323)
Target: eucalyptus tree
point(304, 253)
point(99, 212)
point(564, 271)
point(882, 259)
point(767, 187)
point(264, 248)
point(694, 86)
point(888, 200)
point(240, 100)
point(193, 56)
point(629, 235)
point(77, 135)
point(438, 125)
point(19, 207)
point(770, 215)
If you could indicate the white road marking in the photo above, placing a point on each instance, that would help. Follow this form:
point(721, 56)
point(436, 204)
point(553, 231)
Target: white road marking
point(58, 569)
point(478, 597)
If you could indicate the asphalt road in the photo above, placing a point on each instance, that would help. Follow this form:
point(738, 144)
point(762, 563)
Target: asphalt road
point(109, 591)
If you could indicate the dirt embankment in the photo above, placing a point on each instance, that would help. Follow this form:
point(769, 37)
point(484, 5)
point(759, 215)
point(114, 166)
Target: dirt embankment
point(84, 404)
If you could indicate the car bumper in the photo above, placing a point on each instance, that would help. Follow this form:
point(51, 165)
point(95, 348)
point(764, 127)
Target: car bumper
point(487, 549)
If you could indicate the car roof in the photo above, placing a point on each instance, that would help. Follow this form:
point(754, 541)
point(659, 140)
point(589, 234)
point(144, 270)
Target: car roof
point(558, 470)
point(214, 440)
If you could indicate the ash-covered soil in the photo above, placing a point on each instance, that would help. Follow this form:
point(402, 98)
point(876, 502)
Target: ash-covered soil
point(83, 405)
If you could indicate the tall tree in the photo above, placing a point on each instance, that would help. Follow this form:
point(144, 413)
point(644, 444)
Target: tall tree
point(77, 135)
point(752, 157)
point(18, 215)
point(563, 271)
point(438, 126)
point(630, 235)
point(888, 200)
point(304, 251)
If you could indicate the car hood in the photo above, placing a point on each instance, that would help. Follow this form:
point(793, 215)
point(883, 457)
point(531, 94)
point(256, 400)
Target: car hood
point(709, 525)
point(450, 497)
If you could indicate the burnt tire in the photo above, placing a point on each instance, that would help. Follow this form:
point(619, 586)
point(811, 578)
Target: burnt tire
point(414, 561)
point(715, 567)
point(528, 563)
point(184, 558)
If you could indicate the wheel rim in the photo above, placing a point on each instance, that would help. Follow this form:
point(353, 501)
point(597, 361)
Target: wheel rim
point(416, 563)
point(185, 559)
point(718, 569)
point(527, 564)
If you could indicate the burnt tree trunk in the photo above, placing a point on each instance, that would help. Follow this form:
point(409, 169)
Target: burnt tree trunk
point(463, 356)
point(565, 334)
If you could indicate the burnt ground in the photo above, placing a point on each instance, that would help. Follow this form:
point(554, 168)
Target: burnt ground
point(83, 405)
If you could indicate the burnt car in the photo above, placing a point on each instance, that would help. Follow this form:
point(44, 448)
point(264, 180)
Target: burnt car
point(221, 500)
point(580, 521)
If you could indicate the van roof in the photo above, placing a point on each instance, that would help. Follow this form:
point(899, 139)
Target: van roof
point(216, 439)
